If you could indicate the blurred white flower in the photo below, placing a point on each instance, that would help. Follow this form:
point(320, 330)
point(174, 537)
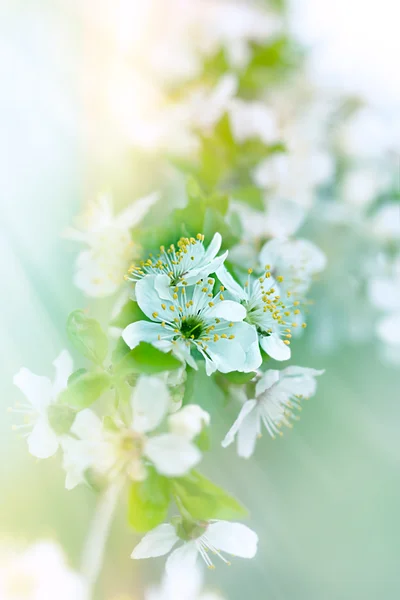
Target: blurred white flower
point(281, 219)
point(215, 536)
point(277, 395)
point(189, 421)
point(38, 572)
point(194, 318)
point(182, 585)
point(123, 449)
point(41, 394)
point(369, 134)
point(101, 268)
point(385, 223)
point(253, 119)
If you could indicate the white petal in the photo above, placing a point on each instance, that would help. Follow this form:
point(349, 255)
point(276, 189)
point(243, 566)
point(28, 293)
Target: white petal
point(228, 310)
point(231, 285)
point(162, 285)
point(157, 542)
point(213, 247)
point(132, 215)
point(230, 436)
point(64, 367)
point(298, 381)
point(267, 380)
point(182, 559)
point(172, 456)
point(275, 347)
point(388, 329)
point(150, 402)
point(227, 355)
point(87, 426)
point(205, 270)
point(38, 390)
point(42, 442)
point(148, 298)
point(248, 433)
point(189, 421)
point(143, 331)
point(234, 538)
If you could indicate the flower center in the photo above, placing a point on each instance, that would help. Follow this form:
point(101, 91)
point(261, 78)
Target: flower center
point(192, 328)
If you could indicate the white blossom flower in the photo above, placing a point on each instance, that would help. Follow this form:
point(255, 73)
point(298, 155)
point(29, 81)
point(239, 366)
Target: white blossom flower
point(182, 585)
point(125, 449)
point(265, 309)
point(194, 318)
point(40, 395)
point(277, 395)
point(296, 261)
point(184, 265)
point(217, 536)
point(280, 219)
point(38, 572)
point(189, 421)
point(101, 268)
point(251, 120)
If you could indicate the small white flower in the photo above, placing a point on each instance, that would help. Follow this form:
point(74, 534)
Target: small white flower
point(193, 317)
point(217, 536)
point(126, 449)
point(182, 585)
point(38, 572)
point(265, 310)
point(189, 421)
point(251, 120)
point(297, 261)
point(277, 395)
point(101, 268)
point(183, 265)
point(41, 393)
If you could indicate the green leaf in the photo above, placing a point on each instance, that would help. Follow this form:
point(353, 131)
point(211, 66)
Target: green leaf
point(130, 313)
point(61, 418)
point(251, 195)
point(76, 374)
point(145, 358)
point(203, 441)
point(85, 390)
point(121, 349)
point(148, 501)
point(204, 500)
point(87, 336)
point(238, 378)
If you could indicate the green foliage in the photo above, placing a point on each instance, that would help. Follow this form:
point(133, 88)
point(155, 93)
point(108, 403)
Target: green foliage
point(61, 418)
point(120, 350)
point(148, 501)
point(203, 500)
point(87, 336)
point(130, 313)
point(269, 64)
point(75, 375)
point(147, 359)
point(239, 378)
point(85, 390)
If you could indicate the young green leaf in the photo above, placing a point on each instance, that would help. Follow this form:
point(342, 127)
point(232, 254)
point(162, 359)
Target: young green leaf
point(61, 418)
point(148, 501)
point(146, 359)
point(87, 336)
point(239, 378)
point(85, 390)
point(204, 500)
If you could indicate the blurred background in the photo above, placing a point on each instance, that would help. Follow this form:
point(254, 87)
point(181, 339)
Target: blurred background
point(324, 498)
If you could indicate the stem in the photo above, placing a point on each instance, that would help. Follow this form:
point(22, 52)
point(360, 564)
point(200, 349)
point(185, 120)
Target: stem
point(95, 544)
